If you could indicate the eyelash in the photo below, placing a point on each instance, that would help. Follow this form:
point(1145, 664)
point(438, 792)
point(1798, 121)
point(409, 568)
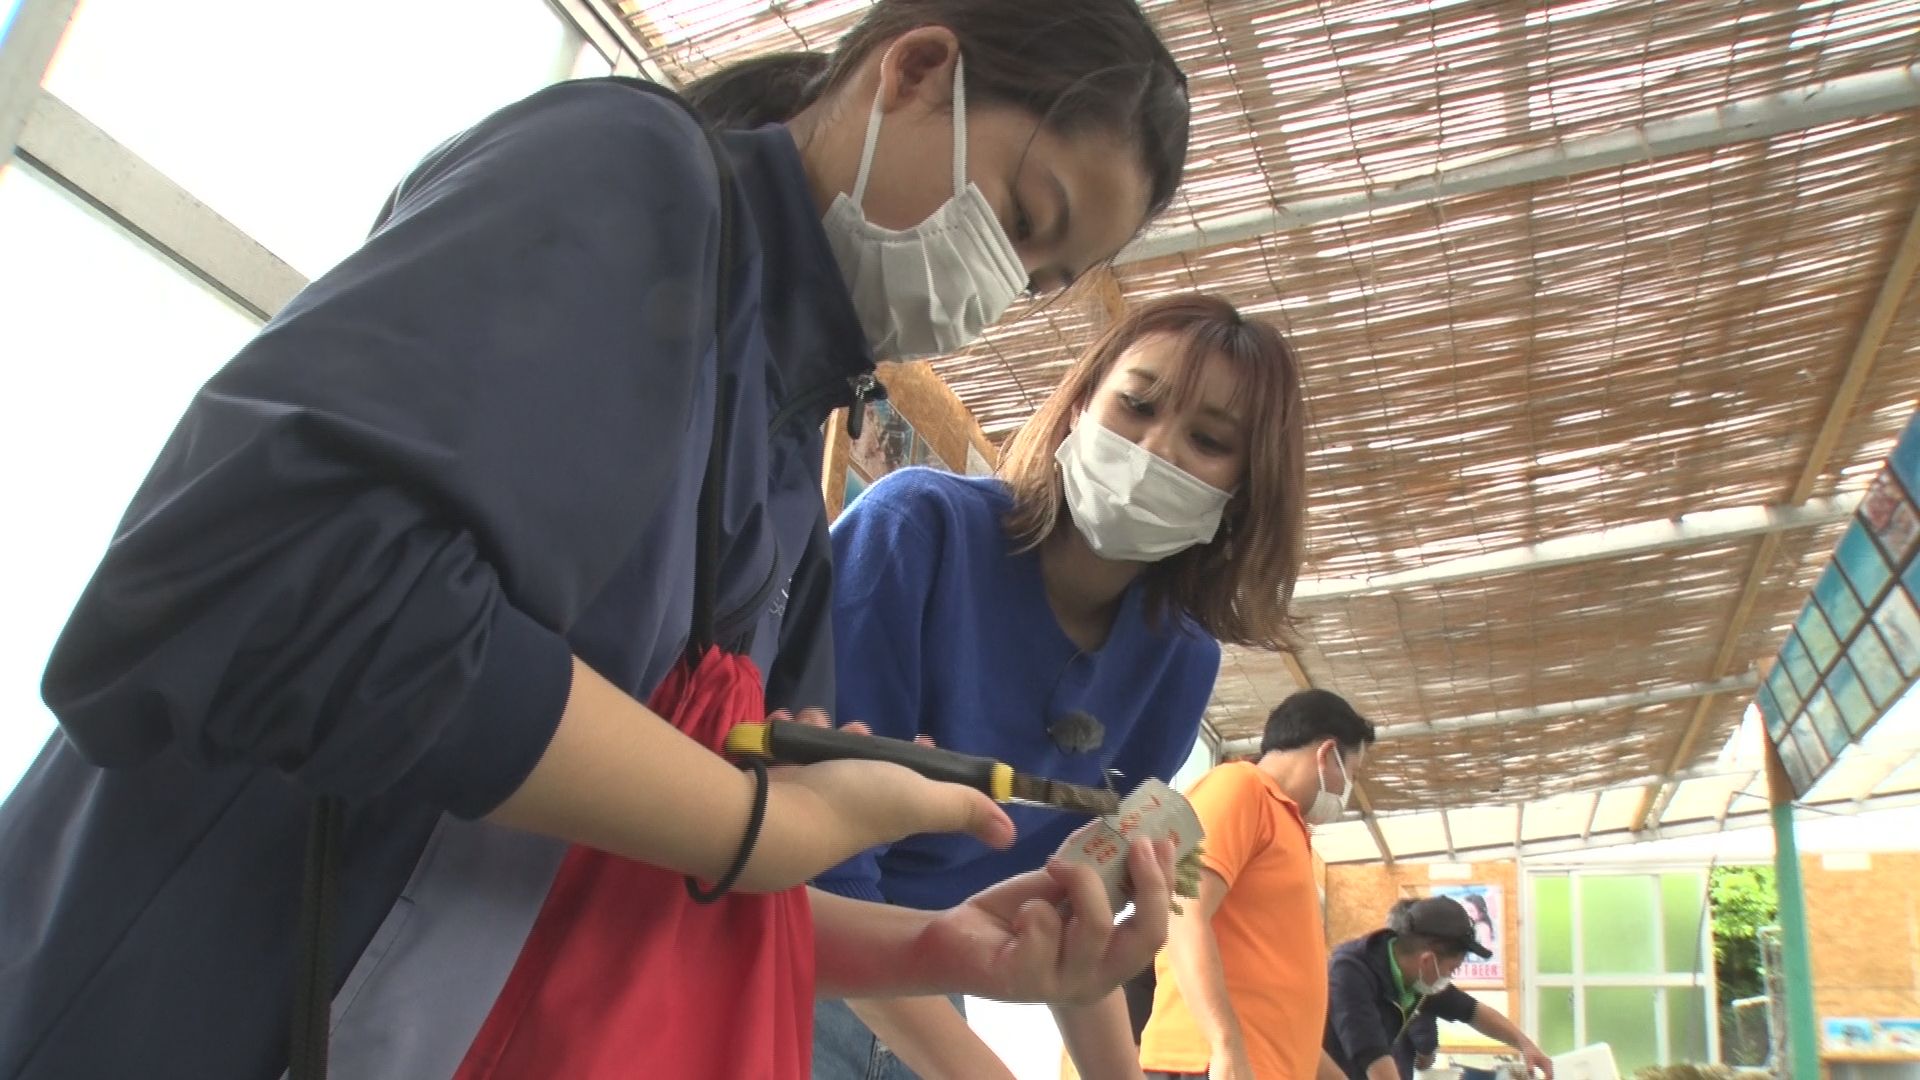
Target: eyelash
point(1142, 407)
point(1022, 225)
point(1037, 285)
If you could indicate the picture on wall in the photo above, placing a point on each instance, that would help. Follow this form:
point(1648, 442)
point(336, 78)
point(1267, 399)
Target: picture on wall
point(977, 464)
point(922, 454)
point(886, 440)
point(855, 485)
point(1483, 907)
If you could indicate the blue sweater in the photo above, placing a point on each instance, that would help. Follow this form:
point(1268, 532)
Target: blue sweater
point(941, 630)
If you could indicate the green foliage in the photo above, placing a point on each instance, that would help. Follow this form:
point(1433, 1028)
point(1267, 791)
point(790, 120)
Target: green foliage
point(1743, 900)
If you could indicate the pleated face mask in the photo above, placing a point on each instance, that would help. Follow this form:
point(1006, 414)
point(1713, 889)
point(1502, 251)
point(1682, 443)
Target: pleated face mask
point(1129, 503)
point(931, 289)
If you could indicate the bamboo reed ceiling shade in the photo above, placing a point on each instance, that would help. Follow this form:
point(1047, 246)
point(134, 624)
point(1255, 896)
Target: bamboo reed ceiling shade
point(1535, 361)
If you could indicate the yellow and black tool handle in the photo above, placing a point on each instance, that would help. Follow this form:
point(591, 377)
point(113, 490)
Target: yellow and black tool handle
point(792, 743)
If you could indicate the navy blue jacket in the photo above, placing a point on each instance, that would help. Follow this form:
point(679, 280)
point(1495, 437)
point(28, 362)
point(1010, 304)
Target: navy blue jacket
point(361, 562)
point(1365, 1019)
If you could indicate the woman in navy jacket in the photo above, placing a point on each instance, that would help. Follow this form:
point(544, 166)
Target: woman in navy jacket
point(427, 544)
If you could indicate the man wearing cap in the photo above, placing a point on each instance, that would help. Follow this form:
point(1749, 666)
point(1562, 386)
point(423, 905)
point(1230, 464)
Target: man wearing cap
point(1382, 985)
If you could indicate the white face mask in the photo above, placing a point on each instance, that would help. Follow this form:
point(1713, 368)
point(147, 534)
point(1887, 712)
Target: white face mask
point(1129, 504)
point(1327, 807)
point(931, 289)
point(1425, 987)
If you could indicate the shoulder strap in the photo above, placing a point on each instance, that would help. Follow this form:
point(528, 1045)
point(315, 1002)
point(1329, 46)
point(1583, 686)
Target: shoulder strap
point(319, 891)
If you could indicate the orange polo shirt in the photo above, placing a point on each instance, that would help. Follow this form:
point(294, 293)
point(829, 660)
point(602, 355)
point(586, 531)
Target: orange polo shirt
point(1272, 945)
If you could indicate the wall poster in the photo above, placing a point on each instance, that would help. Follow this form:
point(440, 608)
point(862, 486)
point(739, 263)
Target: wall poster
point(1483, 907)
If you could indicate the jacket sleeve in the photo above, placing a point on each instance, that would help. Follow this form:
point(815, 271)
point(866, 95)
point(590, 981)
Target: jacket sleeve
point(1452, 1004)
point(801, 676)
point(354, 559)
point(1351, 1014)
point(885, 557)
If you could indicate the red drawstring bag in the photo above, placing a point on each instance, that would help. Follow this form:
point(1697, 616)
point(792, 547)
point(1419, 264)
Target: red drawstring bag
point(625, 975)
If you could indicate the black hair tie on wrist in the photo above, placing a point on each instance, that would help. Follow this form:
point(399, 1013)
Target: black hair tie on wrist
point(754, 820)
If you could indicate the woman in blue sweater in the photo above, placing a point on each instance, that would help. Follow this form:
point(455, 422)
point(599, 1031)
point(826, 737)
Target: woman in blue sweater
point(1063, 617)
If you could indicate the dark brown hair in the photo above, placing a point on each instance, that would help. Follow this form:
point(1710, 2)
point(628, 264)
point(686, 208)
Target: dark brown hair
point(1239, 586)
point(1079, 65)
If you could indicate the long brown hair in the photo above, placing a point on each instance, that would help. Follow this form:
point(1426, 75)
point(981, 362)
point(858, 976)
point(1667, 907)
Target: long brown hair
point(1239, 586)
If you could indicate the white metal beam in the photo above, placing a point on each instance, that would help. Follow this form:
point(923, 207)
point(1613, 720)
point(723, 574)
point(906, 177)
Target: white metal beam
point(88, 162)
point(1701, 827)
point(27, 44)
point(1619, 542)
point(1580, 706)
point(1869, 93)
point(615, 38)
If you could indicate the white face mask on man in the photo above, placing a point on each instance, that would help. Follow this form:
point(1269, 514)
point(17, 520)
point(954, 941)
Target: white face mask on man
point(1129, 504)
point(1327, 807)
point(1425, 986)
point(931, 289)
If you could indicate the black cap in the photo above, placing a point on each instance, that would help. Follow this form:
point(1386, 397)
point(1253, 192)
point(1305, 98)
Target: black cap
point(1445, 920)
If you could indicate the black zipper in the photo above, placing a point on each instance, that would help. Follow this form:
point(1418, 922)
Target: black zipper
point(864, 388)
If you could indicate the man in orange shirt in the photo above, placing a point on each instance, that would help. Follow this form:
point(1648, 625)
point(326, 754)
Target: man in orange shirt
point(1241, 988)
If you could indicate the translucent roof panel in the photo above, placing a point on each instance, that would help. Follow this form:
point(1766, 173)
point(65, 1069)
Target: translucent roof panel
point(1557, 816)
point(1414, 834)
point(1703, 797)
point(1345, 841)
point(1479, 827)
point(1617, 807)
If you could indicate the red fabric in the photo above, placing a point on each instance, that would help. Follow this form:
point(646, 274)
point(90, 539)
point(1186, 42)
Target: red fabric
point(624, 975)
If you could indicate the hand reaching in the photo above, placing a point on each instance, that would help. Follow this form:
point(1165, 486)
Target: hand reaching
point(1049, 935)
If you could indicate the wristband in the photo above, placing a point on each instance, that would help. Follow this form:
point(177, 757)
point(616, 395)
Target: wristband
point(755, 819)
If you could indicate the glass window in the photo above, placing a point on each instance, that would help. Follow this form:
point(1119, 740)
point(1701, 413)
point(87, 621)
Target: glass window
point(1876, 667)
point(1553, 925)
point(1784, 696)
point(294, 121)
point(1616, 926)
point(1821, 643)
point(1850, 697)
point(1860, 558)
point(1899, 626)
point(92, 398)
point(1824, 715)
point(1793, 656)
point(1623, 1018)
point(1623, 926)
point(1555, 1030)
point(1837, 600)
point(1687, 1020)
point(1683, 910)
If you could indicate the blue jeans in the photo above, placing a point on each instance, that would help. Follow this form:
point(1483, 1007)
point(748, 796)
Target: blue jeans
point(844, 1048)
